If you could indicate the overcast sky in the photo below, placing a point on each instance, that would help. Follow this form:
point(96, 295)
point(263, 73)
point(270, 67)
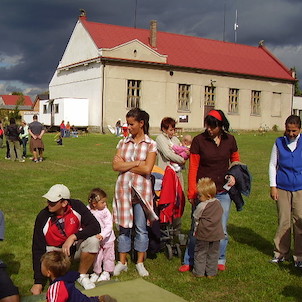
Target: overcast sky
point(34, 33)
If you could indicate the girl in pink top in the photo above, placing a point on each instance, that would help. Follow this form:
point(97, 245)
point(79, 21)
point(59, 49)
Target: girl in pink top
point(104, 263)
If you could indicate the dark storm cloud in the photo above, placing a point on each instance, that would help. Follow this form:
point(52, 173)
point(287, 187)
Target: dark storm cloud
point(37, 31)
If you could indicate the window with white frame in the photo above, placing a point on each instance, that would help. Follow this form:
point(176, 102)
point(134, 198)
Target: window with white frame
point(133, 94)
point(233, 100)
point(184, 95)
point(255, 102)
point(44, 109)
point(56, 108)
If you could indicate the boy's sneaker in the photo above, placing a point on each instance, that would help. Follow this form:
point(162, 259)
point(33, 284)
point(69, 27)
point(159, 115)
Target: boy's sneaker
point(94, 277)
point(141, 270)
point(298, 264)
point(85, 281)
point(119, 268)
point(40, 159)
point(277, 260)
point(105, 276)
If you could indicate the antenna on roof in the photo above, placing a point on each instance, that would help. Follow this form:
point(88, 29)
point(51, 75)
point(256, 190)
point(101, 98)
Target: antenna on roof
point(135, 10)
point(223, 35)
point(236, 26)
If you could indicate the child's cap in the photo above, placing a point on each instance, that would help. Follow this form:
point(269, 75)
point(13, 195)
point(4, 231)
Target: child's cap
point(57, 192)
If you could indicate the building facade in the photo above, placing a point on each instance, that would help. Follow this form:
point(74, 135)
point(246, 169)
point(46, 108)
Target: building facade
point(118, 68)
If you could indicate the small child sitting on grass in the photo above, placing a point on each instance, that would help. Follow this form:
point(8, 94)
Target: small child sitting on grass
point(105, 260)
point(55, 265)
point(208, 230)
point(58, 138)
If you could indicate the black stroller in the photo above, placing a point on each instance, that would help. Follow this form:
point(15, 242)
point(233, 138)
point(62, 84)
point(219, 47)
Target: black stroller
point(170, 204)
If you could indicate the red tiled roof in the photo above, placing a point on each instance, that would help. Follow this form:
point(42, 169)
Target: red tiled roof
point(194, 52)
point(12, 100)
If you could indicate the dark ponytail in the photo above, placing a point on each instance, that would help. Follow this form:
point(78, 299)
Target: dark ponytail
point(140, 115)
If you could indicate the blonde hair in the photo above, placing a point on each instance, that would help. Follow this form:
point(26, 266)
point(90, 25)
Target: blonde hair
point(56, 262)
point(206, 187)
point(95, 195)
point(187, 140)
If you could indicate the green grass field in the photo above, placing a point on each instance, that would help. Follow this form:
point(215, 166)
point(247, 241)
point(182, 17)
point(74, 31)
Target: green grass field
point(85, 162)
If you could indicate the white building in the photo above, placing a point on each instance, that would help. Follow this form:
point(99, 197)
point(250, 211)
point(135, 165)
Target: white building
point(297, 105)
point(72, 110)
point(117, 68)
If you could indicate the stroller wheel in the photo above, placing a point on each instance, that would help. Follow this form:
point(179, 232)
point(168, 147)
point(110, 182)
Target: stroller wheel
point(178, 250)
point(169, 252)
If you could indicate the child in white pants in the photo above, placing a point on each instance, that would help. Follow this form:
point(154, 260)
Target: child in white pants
point(105, 261)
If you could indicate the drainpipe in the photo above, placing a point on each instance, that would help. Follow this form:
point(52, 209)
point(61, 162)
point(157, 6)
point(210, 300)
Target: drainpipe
point(103, 91)
point(293, 73)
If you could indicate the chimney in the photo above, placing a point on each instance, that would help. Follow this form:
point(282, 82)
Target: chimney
point(153, 33)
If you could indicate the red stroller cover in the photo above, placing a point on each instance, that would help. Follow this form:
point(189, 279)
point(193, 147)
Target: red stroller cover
point(172, 198)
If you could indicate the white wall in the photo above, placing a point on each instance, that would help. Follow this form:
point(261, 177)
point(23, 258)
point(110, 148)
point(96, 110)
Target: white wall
point(80, 82)
point(75, 112)
point(72, 110)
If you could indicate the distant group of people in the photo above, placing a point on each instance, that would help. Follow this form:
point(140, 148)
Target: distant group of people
point(67, 228)
point(18, 135)
point(68, 130)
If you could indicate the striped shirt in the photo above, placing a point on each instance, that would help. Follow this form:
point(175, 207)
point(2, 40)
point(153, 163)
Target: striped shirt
point(141, 184)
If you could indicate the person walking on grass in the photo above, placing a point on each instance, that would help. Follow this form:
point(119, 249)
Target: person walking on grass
point(36, 131)
point(24, 137)
point(1, 134)
point(68, 226)
point(133, 200)
point(12, 134)
point(62, 129)
point(285, 174)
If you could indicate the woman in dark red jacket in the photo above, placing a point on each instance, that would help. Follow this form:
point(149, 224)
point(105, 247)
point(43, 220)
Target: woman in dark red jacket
point(211, 154)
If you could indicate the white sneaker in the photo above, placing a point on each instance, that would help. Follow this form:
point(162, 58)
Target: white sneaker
point(105, 276)
point(85, 281)
point(141, 270)
point(94, 277)
point(119, 268)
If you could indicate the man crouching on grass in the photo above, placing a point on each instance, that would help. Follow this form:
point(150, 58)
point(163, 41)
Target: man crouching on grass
point(68, 226)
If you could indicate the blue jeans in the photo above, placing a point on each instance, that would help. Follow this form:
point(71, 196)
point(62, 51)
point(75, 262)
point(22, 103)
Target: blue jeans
point(24, 143)
point(225, 201)
point(141, 239)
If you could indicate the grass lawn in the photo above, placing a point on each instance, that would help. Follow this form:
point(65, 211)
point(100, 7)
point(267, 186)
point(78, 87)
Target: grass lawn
point(85, 162)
